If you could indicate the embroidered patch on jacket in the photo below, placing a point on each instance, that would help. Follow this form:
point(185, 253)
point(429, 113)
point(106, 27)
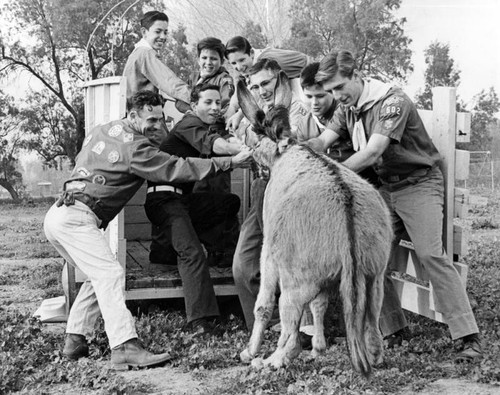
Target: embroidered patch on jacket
point(83, 171)
point(75, 186)
point(393, 100)
point(87, 140)
point(115, 131)
point(99, 179)
point(127, 137)
point(388, 123)
point(113, 157)
point(99, 147)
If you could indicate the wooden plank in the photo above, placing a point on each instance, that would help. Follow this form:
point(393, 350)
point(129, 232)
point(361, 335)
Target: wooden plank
point(106, 111)
point(416, 298)
point(463, 127)
point(177, 292)
point(459, 241)
point(461, 206)
point(104, 81)
point(98, 104)
point(462, 163)
point(135, 215)
point(138, 231)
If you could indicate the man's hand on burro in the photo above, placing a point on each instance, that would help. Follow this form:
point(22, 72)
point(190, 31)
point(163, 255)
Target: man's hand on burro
point(243, 159)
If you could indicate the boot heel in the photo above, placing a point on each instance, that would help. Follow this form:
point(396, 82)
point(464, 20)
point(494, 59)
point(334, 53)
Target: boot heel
point(120, 366)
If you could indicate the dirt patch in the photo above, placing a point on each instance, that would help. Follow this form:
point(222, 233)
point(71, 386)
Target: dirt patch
point(172, 381)
point(456, 387)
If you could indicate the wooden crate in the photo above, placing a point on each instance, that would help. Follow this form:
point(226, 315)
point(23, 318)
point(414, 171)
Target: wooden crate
point(129, 234)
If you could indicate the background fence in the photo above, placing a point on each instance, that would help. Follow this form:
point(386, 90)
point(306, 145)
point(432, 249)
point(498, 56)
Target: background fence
point(484, 171)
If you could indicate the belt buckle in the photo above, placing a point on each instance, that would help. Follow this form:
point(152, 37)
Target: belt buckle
point(393, 179)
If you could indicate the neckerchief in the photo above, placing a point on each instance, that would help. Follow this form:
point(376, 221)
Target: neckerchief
point(373, 92)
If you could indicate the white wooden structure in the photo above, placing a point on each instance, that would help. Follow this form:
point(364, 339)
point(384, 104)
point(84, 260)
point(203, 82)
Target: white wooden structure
point(129, 233)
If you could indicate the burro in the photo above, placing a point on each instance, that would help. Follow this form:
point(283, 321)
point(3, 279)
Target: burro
point(322, 222)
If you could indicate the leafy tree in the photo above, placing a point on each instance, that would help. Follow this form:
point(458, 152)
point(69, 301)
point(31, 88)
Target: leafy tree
point(254, 34)
point(484, 123)
point(10, 144)
point(177, 55)
point(48, 128)
point(367, 28)
point(440, 71)
point(70, 41)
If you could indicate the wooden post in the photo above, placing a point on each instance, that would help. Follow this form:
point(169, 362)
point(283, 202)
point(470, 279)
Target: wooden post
point(443, 137)
point(104, 101)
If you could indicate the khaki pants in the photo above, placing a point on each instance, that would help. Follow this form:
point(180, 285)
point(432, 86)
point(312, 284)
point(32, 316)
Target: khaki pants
point(74, 232)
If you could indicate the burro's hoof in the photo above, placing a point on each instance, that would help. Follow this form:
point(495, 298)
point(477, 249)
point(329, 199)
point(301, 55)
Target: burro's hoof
point(245, 356)
point(258, 363)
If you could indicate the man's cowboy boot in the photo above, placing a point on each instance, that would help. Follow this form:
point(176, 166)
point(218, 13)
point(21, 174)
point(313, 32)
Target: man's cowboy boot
point(131, 354)
point(75, 347)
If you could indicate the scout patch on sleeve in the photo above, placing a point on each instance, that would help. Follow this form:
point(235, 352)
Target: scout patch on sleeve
point(75, 186)
point(388, 124)
point(127, 137)
point(115, 131)
point(83, 171)
point(113, 157)
point(391, 108)
point(87, 140)
point(99, 147)
point(99, 179)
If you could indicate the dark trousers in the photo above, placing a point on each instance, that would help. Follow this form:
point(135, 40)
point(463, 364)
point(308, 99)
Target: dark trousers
point(246, 263)
point(186, 221)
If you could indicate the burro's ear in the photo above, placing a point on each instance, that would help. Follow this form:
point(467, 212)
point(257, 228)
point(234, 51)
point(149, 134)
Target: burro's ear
point(248, 104)
point(283, 91)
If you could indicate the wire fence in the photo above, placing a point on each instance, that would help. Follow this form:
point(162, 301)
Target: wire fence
point(484, 171)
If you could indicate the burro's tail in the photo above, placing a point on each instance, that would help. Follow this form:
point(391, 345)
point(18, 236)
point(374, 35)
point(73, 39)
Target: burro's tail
point(362, 294)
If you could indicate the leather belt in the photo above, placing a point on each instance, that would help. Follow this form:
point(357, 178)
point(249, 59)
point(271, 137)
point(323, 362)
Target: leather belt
point(164, 188)
point(402, 177)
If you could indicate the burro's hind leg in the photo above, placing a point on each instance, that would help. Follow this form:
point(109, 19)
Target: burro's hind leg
point(264, 306)
point(291, 305)
point(318, 308)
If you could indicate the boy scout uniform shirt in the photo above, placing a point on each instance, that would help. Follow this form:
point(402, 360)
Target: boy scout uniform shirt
point(308, 128)
point(396, 117)
point(145, 71)
point(116, 158)
point(190, 137)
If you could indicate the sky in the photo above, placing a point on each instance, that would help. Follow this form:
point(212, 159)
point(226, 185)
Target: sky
point(470, 27)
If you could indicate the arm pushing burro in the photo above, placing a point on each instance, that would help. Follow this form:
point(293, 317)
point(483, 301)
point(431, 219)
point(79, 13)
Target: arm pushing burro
point(321, 220)
point(112, 165)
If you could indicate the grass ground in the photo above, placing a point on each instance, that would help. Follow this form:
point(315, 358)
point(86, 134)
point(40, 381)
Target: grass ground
point(31, 360)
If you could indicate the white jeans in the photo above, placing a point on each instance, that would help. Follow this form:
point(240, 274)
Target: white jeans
point(74, 232)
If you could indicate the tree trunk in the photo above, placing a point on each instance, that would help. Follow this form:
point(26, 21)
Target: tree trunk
point(13, 193)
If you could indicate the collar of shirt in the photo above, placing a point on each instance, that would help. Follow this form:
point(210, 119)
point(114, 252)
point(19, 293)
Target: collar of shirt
point(143, 43)
point(373, 92)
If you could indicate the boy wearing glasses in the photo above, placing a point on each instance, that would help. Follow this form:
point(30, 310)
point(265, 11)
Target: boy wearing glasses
point(262, 77)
